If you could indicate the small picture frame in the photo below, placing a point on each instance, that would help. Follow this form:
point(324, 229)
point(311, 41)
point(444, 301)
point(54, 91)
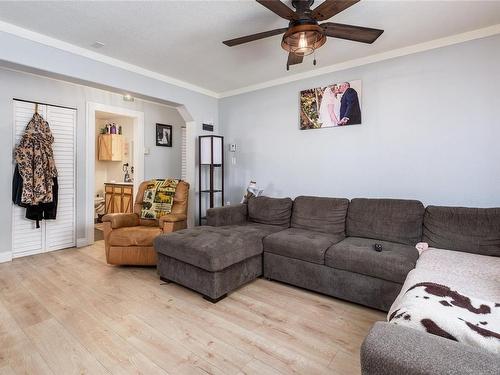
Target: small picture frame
point(163, 135)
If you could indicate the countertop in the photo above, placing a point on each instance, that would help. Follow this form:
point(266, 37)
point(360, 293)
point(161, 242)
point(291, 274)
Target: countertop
point(119, 183)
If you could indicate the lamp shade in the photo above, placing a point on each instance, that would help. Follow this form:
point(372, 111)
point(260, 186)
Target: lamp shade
point(211, 150)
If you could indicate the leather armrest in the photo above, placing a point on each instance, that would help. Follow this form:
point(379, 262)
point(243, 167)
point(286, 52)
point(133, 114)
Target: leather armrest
point(121, 220)
point(172, 218)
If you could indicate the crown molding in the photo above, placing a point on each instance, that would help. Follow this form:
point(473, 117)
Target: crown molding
point(416, 48)
point(404, 51)
point(68, 47)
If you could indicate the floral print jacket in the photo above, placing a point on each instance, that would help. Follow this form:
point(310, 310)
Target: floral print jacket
point(35, 160)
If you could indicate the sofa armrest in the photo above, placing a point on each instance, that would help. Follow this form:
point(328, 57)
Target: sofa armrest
point(121, 220)
point(172, 218)
point(227, 215)
point(390, 349)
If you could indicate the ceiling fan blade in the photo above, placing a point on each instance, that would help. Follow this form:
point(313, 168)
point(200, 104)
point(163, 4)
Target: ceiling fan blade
point(251, 38)
point(329, 8)
point(350, 32)
point(279, 8)
point(294, 59)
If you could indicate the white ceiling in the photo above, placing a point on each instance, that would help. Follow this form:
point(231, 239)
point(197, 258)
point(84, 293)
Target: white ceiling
point(182, 39)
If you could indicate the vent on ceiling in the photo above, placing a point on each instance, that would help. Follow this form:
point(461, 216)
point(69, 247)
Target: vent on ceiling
point(98, 44)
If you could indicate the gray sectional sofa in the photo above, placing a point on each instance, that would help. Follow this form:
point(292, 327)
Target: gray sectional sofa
point(470, 265)
point(321, 244)
point(329, 248)
point(328, 245)
point(216, 259)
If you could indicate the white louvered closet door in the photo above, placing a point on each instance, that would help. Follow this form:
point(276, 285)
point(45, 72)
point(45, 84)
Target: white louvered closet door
point(52, 234)
point(26, 239)
point(60, 233)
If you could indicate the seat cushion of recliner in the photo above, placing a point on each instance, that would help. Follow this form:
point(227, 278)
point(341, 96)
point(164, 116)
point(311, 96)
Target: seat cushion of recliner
point(302, 244)
point(133, 236)
point(357, 255)
point(214, 248)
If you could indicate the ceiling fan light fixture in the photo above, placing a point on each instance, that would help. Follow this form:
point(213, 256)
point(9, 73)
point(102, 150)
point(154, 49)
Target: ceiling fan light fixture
point(303, 39)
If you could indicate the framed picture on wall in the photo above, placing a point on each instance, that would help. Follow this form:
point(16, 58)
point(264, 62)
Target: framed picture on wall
point(163, 135)
point(335, 105)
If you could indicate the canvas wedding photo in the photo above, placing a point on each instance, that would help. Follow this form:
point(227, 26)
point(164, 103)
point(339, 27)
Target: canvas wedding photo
point(338, 104)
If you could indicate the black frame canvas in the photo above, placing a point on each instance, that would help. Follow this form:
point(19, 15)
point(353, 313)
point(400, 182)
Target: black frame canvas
point(164, 135)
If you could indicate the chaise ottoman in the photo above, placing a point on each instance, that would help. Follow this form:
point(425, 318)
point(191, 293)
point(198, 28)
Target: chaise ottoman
point(212, 260)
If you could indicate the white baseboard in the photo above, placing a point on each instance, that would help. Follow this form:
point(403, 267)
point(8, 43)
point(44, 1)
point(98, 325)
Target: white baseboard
point(81, 242)
point(5, 257)
point(27, 253)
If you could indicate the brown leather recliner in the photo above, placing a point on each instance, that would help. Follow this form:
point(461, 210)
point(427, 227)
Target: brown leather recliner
point(128, 239)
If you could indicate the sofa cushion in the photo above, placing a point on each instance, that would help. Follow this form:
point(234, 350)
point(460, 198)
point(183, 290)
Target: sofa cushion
point(472, 230)
point(270, 211)
point(214, 248)
point(301, 244)
point(357, 254)
point(471, 274)
point(325, 215)
point(394, 220)
point(462, 280)
point(133, 236)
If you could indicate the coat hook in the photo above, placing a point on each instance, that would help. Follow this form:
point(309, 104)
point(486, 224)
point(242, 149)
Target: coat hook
point(36, 107)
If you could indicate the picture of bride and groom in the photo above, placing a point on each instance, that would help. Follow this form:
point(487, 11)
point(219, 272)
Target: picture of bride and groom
point(335, 105)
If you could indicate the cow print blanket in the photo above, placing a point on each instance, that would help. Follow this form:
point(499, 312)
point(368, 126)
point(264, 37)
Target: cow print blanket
point(438, 310)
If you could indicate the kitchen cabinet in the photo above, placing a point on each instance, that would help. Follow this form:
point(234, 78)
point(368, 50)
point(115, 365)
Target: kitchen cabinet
point(119, 198)
point(110, 147)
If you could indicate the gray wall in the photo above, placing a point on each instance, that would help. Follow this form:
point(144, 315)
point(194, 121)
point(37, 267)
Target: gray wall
point(431, 131)
point(36, 57)
point(161, 162)
point(431, 125)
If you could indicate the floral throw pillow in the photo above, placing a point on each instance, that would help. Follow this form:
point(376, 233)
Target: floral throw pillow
point(158, 198)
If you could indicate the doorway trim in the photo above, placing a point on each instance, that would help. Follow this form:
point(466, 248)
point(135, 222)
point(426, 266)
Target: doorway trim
point(191, 136)
point(138, 117)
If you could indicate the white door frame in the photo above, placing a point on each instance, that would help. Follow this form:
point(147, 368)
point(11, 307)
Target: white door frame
point(90, 159)
point(191, 135)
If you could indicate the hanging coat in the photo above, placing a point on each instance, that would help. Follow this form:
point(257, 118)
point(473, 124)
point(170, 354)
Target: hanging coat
point(41, 211)
point(34, 184)
point(35, 159)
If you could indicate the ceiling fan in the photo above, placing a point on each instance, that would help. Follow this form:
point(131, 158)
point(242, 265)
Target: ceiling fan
point(304, 34)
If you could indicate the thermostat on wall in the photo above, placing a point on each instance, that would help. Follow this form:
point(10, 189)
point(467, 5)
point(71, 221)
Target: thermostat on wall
point(208, 127)
point(232, 147)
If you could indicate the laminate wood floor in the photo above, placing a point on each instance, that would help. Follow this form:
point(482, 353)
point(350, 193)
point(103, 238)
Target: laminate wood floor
point(68, 312)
